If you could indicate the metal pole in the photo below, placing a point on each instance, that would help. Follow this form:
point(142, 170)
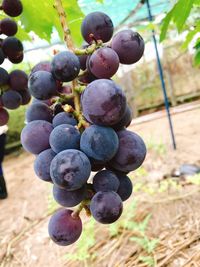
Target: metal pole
point(160, 69)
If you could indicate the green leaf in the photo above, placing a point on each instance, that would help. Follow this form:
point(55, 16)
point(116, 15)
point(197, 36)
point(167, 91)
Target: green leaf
point(165, 25)
point(181, 12)
point(100, 1)
point(147, 260)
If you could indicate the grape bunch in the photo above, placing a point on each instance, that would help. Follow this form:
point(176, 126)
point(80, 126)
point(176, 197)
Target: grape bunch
point(77, 123)
point(13, 86)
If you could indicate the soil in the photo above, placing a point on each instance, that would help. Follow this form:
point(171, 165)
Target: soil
point(24, 238)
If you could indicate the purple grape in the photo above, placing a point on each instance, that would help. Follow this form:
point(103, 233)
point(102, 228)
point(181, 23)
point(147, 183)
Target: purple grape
point(65, 66)
point(69, 198)
point(39, 111)
point(106, 207)
point(128, 45)
point(42, 85)
point(4, 77)
point(44, 65)
point(11, 99)
point(97, 26)
point(64, 229)
point(12, 8)
point(12, 48)
point(131, 152)
point(4, 116)
point(26, 97)
point(125, 186)
point(8, 27)
point(104, 63)
point(103, 102)
point(42, 164)
point(64, 118)
point(17, 58)
point(64, 136)
point(35, 136)
point(70, 169)
point(125, 120)
point(83, 59)
point(105, 181)
point(99, 143)
point(18, 80)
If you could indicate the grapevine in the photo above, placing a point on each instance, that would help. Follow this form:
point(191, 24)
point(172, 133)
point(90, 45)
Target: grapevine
point(77, 123)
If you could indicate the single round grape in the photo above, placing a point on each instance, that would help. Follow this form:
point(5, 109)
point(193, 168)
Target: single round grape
point(97, 26)
point(106, 207)
point(64, 136)
point(35, 136)
point(64, 229)
point(103, 102)
point(129, 46)
point(64, 118)
point(12, 8)
point(12, 48)
point(4, 116)
point(26, 97)
point(11, 99)
point(18, 80)
point(82, 61)
point(105, 181)
point(44, 65)
point(42, 85)
point(42, 164)
point(125, 186)
point(8, 27)
point(131, 152)
point(125, 120)
point(104, 63)
point(2, 56)
point(99, 143)
point(4, 77)
point(69, 198)
point(70, 169)
point(39, 111)
point(65, 66)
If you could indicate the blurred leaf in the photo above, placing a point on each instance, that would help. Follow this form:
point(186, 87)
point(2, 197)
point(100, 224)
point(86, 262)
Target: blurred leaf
point(100, 1)
point(147, 260)
point(165, 25)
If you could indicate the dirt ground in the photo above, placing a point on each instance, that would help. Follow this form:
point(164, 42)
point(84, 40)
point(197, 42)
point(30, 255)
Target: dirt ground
point(24, 239)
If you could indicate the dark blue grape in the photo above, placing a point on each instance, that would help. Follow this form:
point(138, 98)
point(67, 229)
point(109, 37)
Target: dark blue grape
point(65, 66)
point(64, 137)
point(39, 111)
point(106, 207)
point(35, 136)
point(64, 118)
point(18, 80)
point(12, 8)
point(125, 186)
point(13, 48)
point(42, 164)
point(8, 27)
point(104, 63)
point(97, 26)
point(69, 198)
point(11, 99)
point(64, 229)
point(131, 152)
point(70, 169)
point(105, 181)
point(42, 85)
point(103, 102)
point(128, 45)
point(44, 65)
point(99, 143)
point(26, 97)
point(4, 76)
point(125, 120)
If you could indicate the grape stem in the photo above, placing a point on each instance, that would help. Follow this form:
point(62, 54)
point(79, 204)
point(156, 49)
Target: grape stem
point(83, 205)
point(70, 44)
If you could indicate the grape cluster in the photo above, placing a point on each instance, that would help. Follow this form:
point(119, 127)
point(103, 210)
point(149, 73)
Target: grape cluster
point(13, 86)
point(71, 142)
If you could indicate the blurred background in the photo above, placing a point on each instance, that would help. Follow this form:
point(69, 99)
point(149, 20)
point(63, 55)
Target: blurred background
point(160, 225)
